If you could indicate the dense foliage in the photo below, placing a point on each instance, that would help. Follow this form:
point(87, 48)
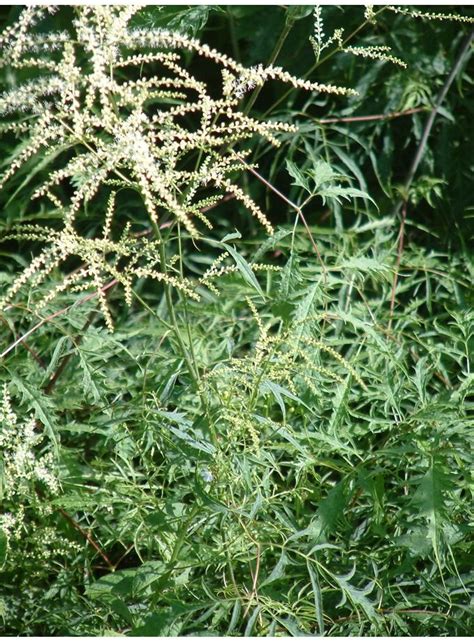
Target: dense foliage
point(237, 321)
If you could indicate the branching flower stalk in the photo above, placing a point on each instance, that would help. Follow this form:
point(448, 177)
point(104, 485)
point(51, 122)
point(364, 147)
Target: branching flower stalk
point(116, 107)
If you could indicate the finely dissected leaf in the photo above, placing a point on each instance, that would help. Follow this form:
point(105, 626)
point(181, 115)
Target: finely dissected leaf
point(320, 180)
point(287, 276)
point(366, 328)
point(294, 441)
point(57, 355)
point(185, 431)
point(41, 405)
point(364, 264)
point(430, 503)
point(278, 391)
point(299, 179)
point(330, 511)
point(356, 595)
point(304, 309)
point(336, 192)
point(231, 467)
point(269, 244)
point(339, 408)
point(322, 172)
point(352, 166)
point(88, 379)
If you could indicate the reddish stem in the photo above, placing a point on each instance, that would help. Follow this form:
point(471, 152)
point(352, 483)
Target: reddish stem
point(88, 538)
point(389, 116)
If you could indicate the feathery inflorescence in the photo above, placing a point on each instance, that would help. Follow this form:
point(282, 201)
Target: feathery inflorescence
point(116, 107)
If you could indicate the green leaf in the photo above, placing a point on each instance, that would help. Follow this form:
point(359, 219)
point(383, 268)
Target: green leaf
point(269, 244)
point(190, 21)
point(245, 269)
point(278, 571)
point(298, 176)
point(232, 236)
point(416, 542)
point(304, 308)
point(297, 12)
point(321, 172)
point(120, 608)
point(356, 595)
point(429, 503)
point(330, 511)
point(278, 392)
point(365, 264)
point(156, 624)
point(102, 588)
point(318, 597)
point(185, 431)
point(251, 621)
point(336, 192)
point(41, 404)
point(79, 501)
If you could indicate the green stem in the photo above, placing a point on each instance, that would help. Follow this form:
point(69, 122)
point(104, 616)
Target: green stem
point(185, 307)
point(274, 55)
point(233, 35)
point(190, 360)
point(171, 310)
point(318, 63)
point(182, 536)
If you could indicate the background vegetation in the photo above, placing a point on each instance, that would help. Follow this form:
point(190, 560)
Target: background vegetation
point(292, 453)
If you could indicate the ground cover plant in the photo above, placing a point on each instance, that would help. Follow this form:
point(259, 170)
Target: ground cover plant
point(237, 321)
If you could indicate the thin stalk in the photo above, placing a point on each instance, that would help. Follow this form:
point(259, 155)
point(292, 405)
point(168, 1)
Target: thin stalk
point(29, 349)
point(297, 208)
point(320, 62)
point(171, 310)
point(152, 311)
point(274, 55)
point(182, 536)
point(401, 243)
point(233, 36)
point(92, 542)
point(189, 360)
point(463, 53)
point(185, 307)
point(403, 202)
point(389, 116)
